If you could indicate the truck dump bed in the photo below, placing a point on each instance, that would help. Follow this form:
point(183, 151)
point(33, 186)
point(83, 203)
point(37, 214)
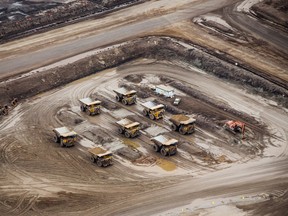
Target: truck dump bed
point(127, 123)
point(99, 151)
point(152, 105)
point(124, 91)
point(182, 119)
point(88, 101)
point(164, 140)
point(64, 132)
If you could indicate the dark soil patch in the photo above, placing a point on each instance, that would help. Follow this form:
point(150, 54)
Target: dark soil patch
point(134, 78)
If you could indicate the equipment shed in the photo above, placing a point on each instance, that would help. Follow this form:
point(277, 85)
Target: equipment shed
point(167, 91)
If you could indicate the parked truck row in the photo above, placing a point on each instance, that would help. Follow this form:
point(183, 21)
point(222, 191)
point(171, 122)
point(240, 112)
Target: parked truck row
point(164, 144)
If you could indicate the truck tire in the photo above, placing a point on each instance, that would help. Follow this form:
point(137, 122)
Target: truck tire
point(117, 98)
point(92, 159)
point(151, 116)
point(163, 152)
point(125, 102)
point(82, 108)
point(182, 131)
point(61, 143)
point(145, 112)
point(88, 112)
point(106, 163)
point(127, 134)
point(191, 130)
point(173, 127)
point(99, 163)
point(120, 130)
point(156, 148)
point(56, 139)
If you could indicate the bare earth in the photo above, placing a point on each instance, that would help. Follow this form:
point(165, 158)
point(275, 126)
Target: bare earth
point(214, 171)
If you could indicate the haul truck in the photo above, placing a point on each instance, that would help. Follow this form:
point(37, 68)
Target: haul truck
point(64, 136)
point(164, 144)
point(182, 123)
point(153, 110)
point(125, 96)
point(91, 107)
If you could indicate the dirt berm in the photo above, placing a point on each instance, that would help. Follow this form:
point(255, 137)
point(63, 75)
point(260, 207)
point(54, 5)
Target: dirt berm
point(273, 10)
point(159, 48)
point(40, 19)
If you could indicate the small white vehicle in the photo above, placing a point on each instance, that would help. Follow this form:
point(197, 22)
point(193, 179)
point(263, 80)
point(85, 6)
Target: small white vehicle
point(177, 101)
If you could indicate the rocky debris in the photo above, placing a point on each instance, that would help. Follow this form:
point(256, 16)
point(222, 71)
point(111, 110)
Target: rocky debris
point(69, 118)
point(97, 135)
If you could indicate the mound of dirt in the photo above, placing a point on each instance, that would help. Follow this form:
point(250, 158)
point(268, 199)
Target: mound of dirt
point(45, 15)
point(129, 153)
point(134, 78)
point(68, 117)
point(97, 135)
point(273, 10)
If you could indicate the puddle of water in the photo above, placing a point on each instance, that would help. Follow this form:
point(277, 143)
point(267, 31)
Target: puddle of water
point(166, 165)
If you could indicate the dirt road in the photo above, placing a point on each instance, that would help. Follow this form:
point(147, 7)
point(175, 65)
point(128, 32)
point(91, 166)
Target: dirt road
point(257, 28)
point(40, 50)
point(239, 181)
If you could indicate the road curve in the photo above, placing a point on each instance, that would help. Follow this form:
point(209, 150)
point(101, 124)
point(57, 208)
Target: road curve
point(47, 55)
point(257, 28)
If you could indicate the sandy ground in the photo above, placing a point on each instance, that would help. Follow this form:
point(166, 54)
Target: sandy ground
point(33, 166)
point(213, 171)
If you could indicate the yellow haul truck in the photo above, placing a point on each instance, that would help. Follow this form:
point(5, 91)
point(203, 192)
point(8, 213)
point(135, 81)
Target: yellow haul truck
point(153, 110)
point(129, 128)
point(164, 144)
point(101, 157)
point(182, 123)
point(91, 107)
point(64, 136)
point(125, 96)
